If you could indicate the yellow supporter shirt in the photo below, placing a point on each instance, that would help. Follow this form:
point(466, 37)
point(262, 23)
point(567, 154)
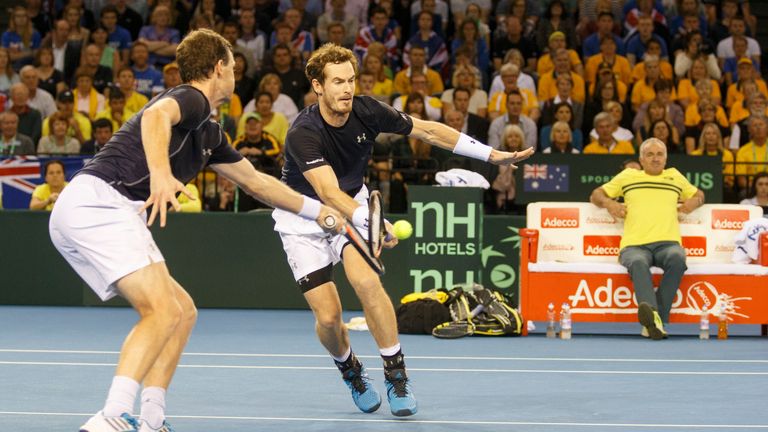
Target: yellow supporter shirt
point(621, 69)
point(638, 72)
point(107, 114)
point(546, 65)
point(692, 116)
point(643, 92)
point(136, 101)
point(82, 121)
point(621, 147)
point(687, 90)
point(733, 94)
point(651, 204)
point(402, 83)
point(42, 193)
point(728, 167)
point(278, 127)
point(498, 102)
point(548, 87)
point(752, 153)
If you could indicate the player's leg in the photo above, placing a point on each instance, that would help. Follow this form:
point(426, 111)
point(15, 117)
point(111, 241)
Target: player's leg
point(311, 260)
point(157, 380)
point(381, 320)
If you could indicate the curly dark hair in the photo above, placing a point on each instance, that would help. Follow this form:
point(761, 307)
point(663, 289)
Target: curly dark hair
point(328, 53)
point(198, 54)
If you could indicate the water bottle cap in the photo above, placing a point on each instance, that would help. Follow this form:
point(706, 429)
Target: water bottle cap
point(551, 306)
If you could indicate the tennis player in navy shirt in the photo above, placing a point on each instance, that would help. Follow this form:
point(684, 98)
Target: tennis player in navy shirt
point(328, 149)
point(99, 223)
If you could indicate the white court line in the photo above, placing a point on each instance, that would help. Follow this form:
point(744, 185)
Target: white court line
point(473, 358)
point(418, 421)
point(473, 370)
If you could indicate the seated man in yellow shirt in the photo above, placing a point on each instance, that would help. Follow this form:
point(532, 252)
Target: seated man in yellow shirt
point(653, 199)
point(752, 157)
point(548, 84)
point(606, 143)
point(556, 42)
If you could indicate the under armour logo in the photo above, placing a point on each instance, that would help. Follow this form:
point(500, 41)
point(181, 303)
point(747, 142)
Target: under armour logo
point(304, 280)
point(207, 152)
point(361, 138)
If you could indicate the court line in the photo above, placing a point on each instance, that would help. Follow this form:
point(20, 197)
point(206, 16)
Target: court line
point(418, 421)
point(473, 370)
point(416, 357)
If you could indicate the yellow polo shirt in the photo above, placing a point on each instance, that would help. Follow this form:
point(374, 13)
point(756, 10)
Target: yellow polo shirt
point(548, 87)
point(621, 147)
point(651, 204)
point(498, 102)
point(546, 65)
point(621, 68)
point(752, 153)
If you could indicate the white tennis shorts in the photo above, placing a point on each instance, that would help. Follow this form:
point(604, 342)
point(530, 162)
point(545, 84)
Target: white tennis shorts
point(101, 234)
point(307, 247)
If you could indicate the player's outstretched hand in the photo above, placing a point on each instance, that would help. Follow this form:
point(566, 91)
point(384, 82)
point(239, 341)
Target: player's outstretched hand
point(390, 240)
point(509, 158)
point(330, 220)
point(163, 190)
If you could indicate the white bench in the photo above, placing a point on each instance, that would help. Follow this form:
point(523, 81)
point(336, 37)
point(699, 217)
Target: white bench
point(570, 254)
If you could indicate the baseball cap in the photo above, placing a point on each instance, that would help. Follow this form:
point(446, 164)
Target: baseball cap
point(745, 60)
point(169, 66)
point(557, 34)
point(65, 96)
point(252, 115)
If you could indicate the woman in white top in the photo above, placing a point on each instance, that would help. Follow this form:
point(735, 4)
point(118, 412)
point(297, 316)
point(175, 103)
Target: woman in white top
point(58, 142)
point(561, 138)
point(478, 99)
point(282, 103)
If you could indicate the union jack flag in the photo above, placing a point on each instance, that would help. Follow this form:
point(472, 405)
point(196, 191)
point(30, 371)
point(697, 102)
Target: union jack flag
point(535, 171)
point(20, 175)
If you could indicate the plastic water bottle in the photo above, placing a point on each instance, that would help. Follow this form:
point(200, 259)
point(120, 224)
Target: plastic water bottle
point(565, 322)
point(722, 324)
point(704, 324)
point(551, 332)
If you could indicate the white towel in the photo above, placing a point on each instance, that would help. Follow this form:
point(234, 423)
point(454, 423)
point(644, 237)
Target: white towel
point(458, 177)
point(746, 241)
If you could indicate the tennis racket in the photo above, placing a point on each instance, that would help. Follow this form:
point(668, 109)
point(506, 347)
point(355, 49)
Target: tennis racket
point(458, 329)
point(376, 228)
point(357, 241)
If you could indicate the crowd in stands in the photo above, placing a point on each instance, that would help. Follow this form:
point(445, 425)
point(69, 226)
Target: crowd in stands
point(562, 76)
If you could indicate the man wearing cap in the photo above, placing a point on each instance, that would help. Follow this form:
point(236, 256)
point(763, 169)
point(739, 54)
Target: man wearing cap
point(79, 125)
point(171, 75)
point(548, 81)
point(258, 146)
point(556, 42)
point(746, 73)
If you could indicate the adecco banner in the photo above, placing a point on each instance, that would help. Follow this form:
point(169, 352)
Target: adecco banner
point(582, 232)
point(609, 297)
point(447, 240)
point(567, 177)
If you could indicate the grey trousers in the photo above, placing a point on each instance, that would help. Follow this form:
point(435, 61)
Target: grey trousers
point(670, 257)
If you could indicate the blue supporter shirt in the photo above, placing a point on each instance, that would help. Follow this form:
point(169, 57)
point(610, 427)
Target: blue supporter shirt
point(120, 39)
point(635, 46)
point(148, 81)
point(591, 46)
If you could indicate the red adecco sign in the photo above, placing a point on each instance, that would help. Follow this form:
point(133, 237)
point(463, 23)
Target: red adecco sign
point(560, 218)
point(601, 245)
point(695, 246)
point(729, 219)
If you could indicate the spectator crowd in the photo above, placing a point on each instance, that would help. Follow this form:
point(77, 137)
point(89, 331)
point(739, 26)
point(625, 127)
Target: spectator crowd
point(561, 76)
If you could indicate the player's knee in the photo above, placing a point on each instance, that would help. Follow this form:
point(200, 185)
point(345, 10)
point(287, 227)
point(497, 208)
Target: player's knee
point(366, 287)
point(328, 319)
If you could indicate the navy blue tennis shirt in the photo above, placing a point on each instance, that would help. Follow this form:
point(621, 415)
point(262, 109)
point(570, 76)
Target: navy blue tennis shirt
point(311, 143)
point(196, 141)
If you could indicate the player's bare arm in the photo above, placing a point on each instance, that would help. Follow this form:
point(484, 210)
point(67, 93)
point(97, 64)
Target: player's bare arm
point(269, 189)
point(448, 138)
point(156, 126)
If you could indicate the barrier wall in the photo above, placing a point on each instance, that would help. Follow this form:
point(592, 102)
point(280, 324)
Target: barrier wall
point(235, 261)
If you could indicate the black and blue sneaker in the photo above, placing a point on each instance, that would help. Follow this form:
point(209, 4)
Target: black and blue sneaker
point(364, 395)
point(402, 402)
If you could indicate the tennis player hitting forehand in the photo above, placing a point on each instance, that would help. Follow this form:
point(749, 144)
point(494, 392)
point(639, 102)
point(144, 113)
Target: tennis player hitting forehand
point(327, 153)
point(99, 223)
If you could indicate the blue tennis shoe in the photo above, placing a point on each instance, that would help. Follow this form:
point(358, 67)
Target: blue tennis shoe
point(402, 402)
point(364, 395)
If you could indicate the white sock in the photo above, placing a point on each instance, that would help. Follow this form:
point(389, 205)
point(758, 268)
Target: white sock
point(152, 407)
point(121, 397)
point(389, 352)
point(344, 357)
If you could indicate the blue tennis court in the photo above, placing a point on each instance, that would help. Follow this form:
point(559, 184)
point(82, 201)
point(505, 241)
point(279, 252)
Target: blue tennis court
point(263, 370)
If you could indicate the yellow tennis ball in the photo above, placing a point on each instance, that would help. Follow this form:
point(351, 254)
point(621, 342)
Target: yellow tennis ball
point(403, 229)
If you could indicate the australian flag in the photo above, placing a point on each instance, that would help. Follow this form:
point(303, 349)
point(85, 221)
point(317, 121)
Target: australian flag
point(20, 175)
point(545, 178)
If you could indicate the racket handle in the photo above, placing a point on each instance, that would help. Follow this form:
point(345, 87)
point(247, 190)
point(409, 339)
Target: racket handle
point(479, 308)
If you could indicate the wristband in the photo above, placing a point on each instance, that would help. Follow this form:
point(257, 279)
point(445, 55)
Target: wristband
point(468, 146)
point(360, 218)
point(310, 209)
